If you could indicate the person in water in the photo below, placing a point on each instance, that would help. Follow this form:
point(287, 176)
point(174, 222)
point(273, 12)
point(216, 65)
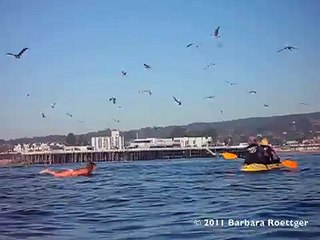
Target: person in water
point(269, 153)
point(86, 171)
point(255, 153)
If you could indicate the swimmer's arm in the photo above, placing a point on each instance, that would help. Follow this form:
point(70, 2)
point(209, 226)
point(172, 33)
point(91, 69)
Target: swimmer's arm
point(53, 173)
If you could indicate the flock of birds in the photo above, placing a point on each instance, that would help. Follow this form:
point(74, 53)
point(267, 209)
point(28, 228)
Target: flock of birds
point(113, 100)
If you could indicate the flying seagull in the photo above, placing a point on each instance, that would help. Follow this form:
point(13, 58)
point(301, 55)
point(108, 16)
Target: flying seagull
point(209, 97)
point(252, 92)
point(28, 96)
point(119, 106)
point(189, 45)
point(18, 56)
point(231, 83)
point(266, 105)
point(290, 48)
point(177, 101)
point(221, 111)
point(53, 105)
point(209, 65)
point(124, 73)
point(113, 100)
point(69, 114)
point(146, 66)
point(42, 114)
point(192, 44)
point(216, 33)
point(303, 103)
point(146, 91)
point(117, 121)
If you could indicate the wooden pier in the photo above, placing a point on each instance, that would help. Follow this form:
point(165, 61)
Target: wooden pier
point(63, 157)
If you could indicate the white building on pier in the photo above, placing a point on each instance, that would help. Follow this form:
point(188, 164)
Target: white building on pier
point(171, 142)
point(194, 141)
point(107, 143)
point(35, 147)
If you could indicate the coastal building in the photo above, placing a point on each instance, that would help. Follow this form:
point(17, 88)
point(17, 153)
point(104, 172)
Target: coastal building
point(78, 148)
point(52, 147)
point(35, 147)
point(17, 148)
point(115, 141)
point(154, 143)
point(171, 142)
point(141, 143)
point(194, 141)
point(293, 142)
point(56, 146)
point(100, 143)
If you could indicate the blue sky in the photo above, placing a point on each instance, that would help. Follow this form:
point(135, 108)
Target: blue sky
point(78, 49)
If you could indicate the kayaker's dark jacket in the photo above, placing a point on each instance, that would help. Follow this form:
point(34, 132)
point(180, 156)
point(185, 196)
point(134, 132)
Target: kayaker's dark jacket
point(254, 154)
point(270, 155)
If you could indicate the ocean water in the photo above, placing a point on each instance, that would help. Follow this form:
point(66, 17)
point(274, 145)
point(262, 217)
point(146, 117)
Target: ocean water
point(165, 199)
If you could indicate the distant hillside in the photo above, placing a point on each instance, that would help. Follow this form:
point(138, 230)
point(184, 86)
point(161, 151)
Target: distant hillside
point(45, 139)
point(277, 128)
point(295, 126)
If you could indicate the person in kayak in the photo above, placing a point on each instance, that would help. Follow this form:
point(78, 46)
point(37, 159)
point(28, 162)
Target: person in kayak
point(269, 153)
point(254, 153)
point(86, 171)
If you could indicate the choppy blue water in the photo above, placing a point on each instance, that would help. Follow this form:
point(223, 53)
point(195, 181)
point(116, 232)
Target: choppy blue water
point(160, 200)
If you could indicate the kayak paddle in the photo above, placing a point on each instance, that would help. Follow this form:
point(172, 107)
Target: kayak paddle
point(290, 164)
point(229, 156)
point(286, 163)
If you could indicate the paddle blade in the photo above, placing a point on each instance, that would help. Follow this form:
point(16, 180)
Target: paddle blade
point(229, 156)
point(290, 164)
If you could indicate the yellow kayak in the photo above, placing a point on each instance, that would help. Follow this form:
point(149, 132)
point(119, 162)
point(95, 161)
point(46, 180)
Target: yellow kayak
point(256, 167)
